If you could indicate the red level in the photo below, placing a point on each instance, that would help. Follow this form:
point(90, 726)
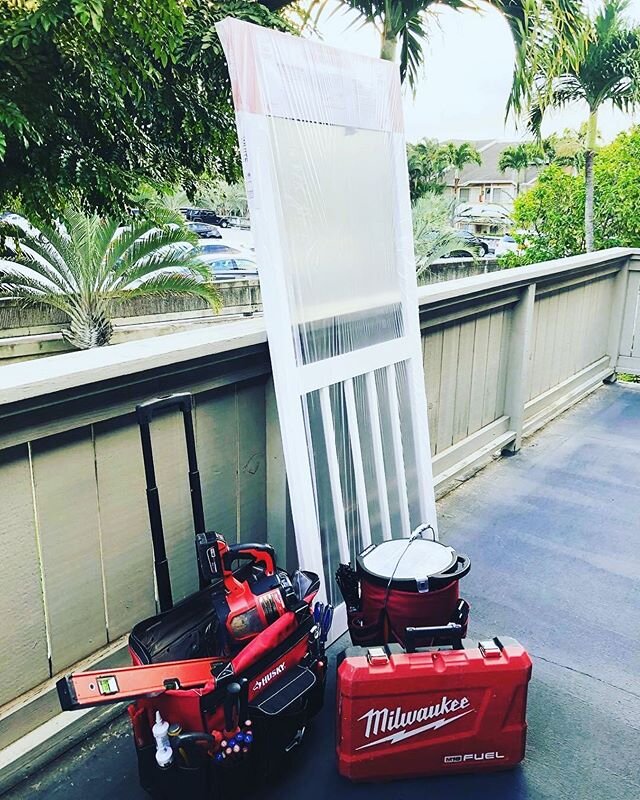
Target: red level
point(84, 689)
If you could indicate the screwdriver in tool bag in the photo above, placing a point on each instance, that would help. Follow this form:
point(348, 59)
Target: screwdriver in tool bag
point(323, 616)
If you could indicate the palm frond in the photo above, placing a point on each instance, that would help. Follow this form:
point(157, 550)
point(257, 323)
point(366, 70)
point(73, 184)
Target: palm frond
point(160, 262)
point(139, 230)
point(57, 236)
point(412, 35)
point(39, 267)
point(550, 36)
point(174, 284)
point(153, 247)
point(29, 290)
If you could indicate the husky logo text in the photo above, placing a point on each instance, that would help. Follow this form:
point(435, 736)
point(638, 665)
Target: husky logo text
point(382, 720)
point(264, 680)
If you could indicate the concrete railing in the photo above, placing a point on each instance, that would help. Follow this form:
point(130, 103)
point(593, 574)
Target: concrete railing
point(503, 353)
point(28, 333)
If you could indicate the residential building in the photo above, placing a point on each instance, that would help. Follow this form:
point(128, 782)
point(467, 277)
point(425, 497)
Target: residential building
point(485, 193)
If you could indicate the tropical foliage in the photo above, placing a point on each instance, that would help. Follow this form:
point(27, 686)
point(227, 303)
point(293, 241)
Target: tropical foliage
point(82, 264)
point(518, 158)
point(607, 71)
point(552, 212)
point(458, 156)
point(225, 198)
point(427, 163)
point(566, 149)
point(97, 96)
point(432, 232)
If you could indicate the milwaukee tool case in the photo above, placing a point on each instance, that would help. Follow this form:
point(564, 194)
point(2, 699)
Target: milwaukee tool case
point(408, 714)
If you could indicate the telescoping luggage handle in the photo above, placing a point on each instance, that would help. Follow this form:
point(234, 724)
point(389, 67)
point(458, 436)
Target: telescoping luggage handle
point(145, 413)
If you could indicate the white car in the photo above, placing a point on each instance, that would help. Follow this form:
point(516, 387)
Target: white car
point(232, 267)
point(507, 244)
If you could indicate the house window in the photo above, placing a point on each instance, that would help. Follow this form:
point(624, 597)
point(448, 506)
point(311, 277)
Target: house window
point(464, 195)
point(497, 195)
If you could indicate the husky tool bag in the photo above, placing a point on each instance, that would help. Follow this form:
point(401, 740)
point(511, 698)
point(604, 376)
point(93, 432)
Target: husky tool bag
point(239, 726)
point(456, 707)
point(263, 669)
point(222, 684)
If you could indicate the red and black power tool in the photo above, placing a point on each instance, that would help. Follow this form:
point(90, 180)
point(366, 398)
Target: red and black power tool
point(245, 606)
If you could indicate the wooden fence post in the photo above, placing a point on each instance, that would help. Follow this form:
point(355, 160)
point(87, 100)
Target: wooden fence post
point(279, 523)
point(617, 318)
point(518, 365)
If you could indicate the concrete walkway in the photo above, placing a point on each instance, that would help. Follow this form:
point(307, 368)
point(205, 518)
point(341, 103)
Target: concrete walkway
point(554, 537)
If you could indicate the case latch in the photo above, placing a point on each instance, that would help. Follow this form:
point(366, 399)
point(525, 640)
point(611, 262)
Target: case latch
point(377, 656)
point(489, 648)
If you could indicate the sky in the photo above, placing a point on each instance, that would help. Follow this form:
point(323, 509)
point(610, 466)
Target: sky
point(463, 91)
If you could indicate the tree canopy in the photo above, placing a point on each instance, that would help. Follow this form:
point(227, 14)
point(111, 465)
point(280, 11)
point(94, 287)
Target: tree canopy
point(97, 96)
point(606, 71)
point(428, 161)
point(551, 214)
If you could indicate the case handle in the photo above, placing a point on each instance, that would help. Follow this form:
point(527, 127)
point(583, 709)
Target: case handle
point(451, 633)
point(146, 411)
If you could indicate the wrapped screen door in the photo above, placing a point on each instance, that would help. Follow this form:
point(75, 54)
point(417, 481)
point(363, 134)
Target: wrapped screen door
point(325, 166)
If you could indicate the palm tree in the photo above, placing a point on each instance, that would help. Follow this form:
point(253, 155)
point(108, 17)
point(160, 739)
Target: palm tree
point(403, 25)
point(82, 264)
point(427, 162)
point(433, 235)
point(458, 156)
point(518, 158)
point(606, 71)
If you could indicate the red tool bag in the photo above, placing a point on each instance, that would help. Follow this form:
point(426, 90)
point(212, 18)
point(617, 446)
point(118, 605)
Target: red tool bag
point(223, 683)
point(402, 583)
point(441, 710)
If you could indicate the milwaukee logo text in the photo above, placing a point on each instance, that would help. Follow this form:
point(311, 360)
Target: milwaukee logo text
point(382, 720)
point(264, 680)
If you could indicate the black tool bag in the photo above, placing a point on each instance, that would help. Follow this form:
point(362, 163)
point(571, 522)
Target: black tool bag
point(283, 698)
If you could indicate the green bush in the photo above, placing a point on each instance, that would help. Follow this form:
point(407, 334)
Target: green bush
point(552, 212)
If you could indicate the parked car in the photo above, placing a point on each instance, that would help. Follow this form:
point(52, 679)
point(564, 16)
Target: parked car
point(208, 249)
point(507, 244)
point(205, 215)
point(224, 268)
point(238, 222)
point(476, 247)
point(204, 230)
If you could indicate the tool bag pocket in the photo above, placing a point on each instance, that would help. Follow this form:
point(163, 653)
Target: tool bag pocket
point(195, 782)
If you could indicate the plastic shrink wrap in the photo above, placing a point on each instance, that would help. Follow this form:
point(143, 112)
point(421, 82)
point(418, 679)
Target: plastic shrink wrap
point(324, 157)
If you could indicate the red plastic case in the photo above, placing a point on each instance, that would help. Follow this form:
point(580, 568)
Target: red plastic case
point(404, 715)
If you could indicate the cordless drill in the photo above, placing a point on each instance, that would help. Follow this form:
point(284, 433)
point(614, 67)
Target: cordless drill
point(248, 606)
